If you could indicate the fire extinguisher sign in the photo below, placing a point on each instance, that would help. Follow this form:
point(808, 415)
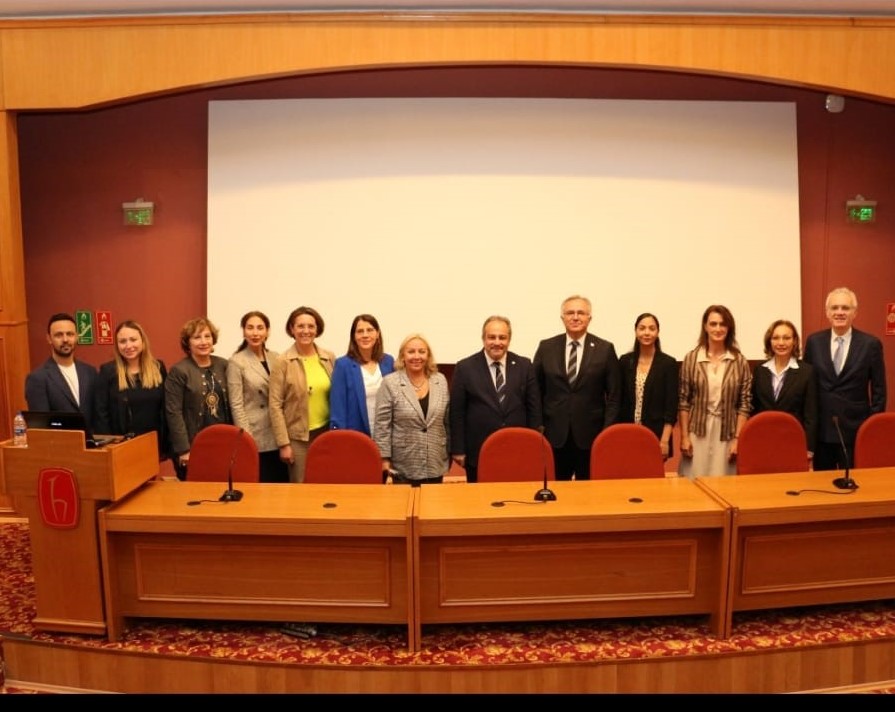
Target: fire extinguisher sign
point(103, 327)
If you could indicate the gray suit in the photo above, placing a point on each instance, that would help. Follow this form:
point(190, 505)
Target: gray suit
point(417, 445)
point(248, 387)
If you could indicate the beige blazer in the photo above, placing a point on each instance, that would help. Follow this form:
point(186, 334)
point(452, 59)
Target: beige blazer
point(248, 385)
point(289, 395)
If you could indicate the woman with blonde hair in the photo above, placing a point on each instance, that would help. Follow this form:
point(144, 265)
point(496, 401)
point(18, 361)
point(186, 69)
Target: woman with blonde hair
point(412, 424)
point(129, 398)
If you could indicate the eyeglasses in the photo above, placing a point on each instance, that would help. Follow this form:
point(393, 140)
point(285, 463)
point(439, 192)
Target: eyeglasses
point(579, 312)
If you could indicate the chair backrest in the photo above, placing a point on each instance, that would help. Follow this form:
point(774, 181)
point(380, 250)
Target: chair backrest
point(343, 457)
point(515, 454)
point(220, 448)
point(772, 441)
point(626, 450)
point(875, 441)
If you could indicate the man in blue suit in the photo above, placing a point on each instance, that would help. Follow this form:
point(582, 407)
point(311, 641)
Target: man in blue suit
point(61, 383)
point(492, 389)
point(851, 380)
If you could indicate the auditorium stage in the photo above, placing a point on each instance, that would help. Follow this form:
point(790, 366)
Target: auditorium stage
point(841, 648)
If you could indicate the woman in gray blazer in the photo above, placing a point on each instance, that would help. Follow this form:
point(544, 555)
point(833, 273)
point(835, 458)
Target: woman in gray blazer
point(412, 417)
point(248, 381)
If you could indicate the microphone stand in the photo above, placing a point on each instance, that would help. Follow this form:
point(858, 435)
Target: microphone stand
point(232, 495)
point(845, 482)
point(545, 494)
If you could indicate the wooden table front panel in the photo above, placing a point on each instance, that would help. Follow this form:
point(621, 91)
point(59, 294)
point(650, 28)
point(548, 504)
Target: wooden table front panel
point(549, 577)
point(819, 546)
point(603, 549)
point(260, 577)
point(285, 552)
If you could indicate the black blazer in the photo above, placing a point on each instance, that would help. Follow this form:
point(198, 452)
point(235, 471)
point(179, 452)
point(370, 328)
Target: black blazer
point(135, 410)
point(47, 389)
point(856, 393)
point(660, 393)
point(475, 409)
point(589, 404)
point(798, 396)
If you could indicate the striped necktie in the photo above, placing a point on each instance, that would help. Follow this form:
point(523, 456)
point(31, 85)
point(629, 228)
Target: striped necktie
point(573, 361)
point(499, 383)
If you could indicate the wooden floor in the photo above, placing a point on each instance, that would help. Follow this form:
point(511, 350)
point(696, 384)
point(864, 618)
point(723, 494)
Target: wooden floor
point(863, 667)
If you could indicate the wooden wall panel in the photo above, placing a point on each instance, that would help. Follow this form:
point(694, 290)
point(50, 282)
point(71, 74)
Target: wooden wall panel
point(78, 63)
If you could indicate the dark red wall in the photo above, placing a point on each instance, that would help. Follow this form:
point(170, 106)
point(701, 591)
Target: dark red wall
point(77, 169)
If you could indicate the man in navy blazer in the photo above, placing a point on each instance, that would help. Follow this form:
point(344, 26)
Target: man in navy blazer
point(580, 383)
point(852, 394)
point(62, 383)
point(478, 408)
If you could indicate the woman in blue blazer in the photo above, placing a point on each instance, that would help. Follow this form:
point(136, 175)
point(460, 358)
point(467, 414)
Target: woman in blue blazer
point(357, 376)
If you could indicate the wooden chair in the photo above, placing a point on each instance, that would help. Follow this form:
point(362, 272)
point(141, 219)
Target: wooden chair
point(875, 441)
point(515, 454)
point(220, 449)
point(626, 450)
point(772, 441)
point(343, 457)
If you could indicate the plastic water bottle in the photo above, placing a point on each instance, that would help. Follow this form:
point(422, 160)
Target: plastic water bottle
point(19, 431)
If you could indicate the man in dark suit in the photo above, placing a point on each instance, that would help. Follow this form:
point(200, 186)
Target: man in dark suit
point(62, 383)
point(580, 383)
point(851, 380)
point(492, 389)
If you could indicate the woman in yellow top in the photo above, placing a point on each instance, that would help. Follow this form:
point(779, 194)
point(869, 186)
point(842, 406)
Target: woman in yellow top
point(299, 390)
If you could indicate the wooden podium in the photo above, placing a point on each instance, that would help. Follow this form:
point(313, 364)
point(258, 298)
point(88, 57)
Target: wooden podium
point(60, 485)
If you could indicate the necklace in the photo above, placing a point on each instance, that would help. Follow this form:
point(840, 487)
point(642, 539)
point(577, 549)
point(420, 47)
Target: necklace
point(418, 387)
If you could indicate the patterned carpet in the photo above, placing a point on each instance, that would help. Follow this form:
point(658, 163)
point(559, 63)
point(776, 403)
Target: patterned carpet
point(478, 644)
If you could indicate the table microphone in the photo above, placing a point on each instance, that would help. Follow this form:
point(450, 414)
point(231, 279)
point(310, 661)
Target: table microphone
point(545, 494)
point(846, 482)
point(232, 495)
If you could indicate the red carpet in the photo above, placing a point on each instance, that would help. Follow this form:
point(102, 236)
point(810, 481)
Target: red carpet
point(474, 644)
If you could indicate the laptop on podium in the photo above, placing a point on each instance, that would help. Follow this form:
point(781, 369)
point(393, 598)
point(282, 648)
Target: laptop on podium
point(64, 420)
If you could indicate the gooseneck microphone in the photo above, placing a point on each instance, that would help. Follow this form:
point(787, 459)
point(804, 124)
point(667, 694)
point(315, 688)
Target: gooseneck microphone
point(232, 495)
point(845, 482)
point(545, 494)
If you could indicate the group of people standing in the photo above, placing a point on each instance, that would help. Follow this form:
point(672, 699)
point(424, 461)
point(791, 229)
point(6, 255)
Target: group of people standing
point(574, 387)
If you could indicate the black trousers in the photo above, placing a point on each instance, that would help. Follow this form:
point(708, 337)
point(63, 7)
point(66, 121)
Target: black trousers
point(829, 456)
point(571, 461)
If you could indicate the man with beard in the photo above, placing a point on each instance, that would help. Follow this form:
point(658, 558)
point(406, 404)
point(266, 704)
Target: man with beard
point(61, 383)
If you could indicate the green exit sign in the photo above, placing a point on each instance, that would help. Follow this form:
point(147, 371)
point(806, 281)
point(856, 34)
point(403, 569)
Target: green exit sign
point(861, 210)
point(138, 216)
point(862, 214)
point(138, 212)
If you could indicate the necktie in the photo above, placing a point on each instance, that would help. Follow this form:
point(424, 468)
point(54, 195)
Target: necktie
point(778, 385)
point(839, 356)
point(499, 382)
point(573, 361)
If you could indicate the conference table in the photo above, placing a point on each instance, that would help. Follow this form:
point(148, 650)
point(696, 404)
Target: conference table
point(798, 540)
point(608, 548)
point(284, 552)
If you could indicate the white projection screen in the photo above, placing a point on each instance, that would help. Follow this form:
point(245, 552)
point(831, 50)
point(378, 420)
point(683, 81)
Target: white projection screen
point(433, 214)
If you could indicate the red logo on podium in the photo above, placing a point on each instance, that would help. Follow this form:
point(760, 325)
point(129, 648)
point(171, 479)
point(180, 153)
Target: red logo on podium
point(890, 319)
point(57, 495)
